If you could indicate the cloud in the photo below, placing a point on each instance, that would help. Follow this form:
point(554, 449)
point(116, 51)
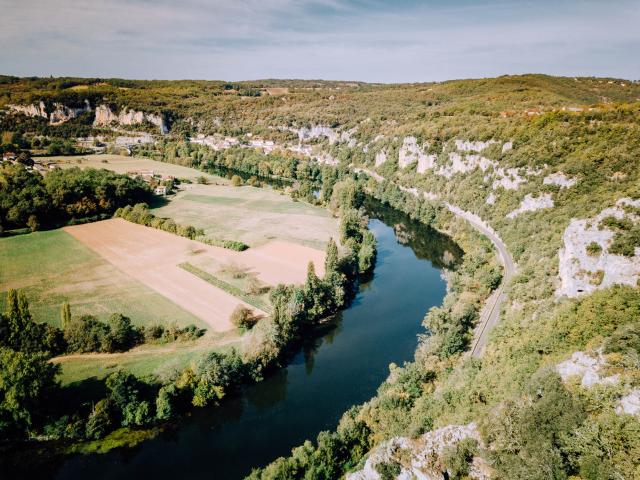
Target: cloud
point(371, 40)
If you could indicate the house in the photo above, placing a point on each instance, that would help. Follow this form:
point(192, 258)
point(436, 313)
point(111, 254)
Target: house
point(8, 156)
point(160, 190)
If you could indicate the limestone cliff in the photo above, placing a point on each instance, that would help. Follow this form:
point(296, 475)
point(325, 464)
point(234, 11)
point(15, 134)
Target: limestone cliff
point(105, 117)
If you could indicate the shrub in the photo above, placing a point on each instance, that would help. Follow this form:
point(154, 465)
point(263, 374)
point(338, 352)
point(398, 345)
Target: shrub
point(236, 181)
point(594, 249)
point(243, 317)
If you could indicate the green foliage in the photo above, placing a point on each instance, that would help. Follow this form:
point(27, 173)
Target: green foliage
point(456, 459)
point(214, 374)
point(141, 215)
point(165, 402)
point(123, 335)
point(28, 199)
point(26, 384)
point(19, 332)
point(87, 334)
point(526, 437)
point(99, 421)
point(627, 235)
point(594, 249)
point(243, 318)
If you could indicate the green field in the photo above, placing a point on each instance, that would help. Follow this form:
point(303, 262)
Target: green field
point(157, 361)
point(52, 267)
point(123, 164)
point(250, 215)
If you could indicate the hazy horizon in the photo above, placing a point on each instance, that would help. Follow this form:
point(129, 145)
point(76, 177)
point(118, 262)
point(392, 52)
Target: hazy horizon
point(359, 40)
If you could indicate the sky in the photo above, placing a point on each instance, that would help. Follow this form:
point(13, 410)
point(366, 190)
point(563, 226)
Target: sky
point(366, 40)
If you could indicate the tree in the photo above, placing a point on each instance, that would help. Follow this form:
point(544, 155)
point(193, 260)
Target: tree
point(32, 223)
point(331, 260)
point(26, 381)
point(165, 401)
point(214, 374)
point(65, 315)
point(99, 421)
point(123, 334)
point(87, 334)
point(351, 226)
point(243, 317)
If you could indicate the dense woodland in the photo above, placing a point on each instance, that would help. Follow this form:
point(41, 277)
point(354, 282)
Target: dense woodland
point(532, 424)
point(29, 200)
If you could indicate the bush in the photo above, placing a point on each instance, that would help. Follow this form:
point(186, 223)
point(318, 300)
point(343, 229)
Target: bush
point(243, 317)
point(594, 249)
point(87, 334)
point(236, 181)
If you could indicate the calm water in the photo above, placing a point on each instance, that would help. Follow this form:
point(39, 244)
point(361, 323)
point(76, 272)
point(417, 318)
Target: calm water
point(339, 370)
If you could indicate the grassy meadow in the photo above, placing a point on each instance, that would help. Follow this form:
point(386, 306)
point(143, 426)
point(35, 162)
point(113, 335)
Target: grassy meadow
point(250, 215)
point(124, 164)
point(52, 267)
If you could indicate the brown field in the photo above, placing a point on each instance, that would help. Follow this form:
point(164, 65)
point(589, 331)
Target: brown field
point(152, 257)
point(277, 90)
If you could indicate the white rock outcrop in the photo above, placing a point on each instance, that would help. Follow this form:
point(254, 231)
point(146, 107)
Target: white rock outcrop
point(33, 110)
point(530, 204)
point(630, 404)
point(587, 367)
point(507, 146)
point(507, 178)
point(560, 179)
point(469, 146)
point(411, 152)
point(464, 164)
point(420, 458)
point(582, 273)
point(106, 117)
point(381, 157)
point(60, 114)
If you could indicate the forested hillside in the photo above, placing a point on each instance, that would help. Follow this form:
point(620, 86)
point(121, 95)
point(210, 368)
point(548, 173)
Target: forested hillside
point(551, 164)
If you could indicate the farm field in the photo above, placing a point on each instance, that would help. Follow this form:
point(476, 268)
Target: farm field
point(153, 257)
point(123, 164)
point(251, 215)
point(157, 361)
point(52, 267)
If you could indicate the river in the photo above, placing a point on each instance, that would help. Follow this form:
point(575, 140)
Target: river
point(342, 368)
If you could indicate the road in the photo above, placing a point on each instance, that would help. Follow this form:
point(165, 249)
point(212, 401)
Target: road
point(490, 313)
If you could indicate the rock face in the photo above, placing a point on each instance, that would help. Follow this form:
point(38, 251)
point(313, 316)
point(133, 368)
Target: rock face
point(560, 179)
point(30, 110)
point(630, 404)
point(381, 157)
point(317, 131)
point(530, 204)
point(469, 146)
point(464, 164)
point(587, 367)
point(60, 114)
point(582, 273)
point(411, 152)
point(105, 117)
point(420, 458)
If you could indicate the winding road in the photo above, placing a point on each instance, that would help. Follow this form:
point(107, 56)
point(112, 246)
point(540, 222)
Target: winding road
point(490, 313)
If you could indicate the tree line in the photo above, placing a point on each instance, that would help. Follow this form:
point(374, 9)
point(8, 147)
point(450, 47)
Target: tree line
point(27, 199)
